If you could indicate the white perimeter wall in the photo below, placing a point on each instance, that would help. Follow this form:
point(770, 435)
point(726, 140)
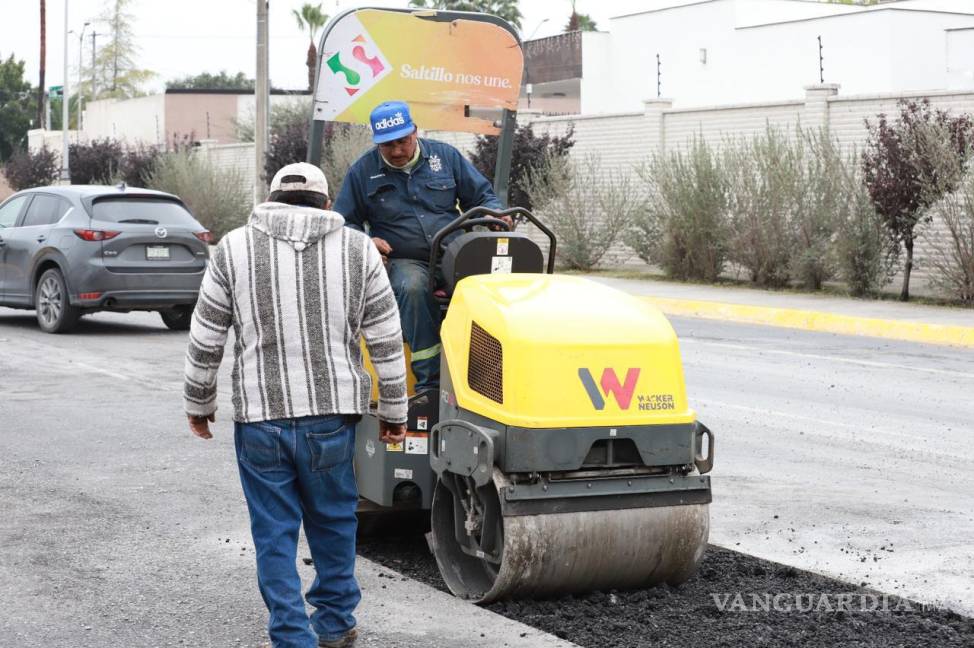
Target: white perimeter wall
point(960, 59)
point(140, 121)
point(751, 55)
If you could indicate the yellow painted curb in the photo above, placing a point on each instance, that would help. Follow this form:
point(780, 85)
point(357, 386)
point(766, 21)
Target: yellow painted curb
point(818, 321)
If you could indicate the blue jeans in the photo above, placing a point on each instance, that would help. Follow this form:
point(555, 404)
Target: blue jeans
point(419, 313)
point(296, 469)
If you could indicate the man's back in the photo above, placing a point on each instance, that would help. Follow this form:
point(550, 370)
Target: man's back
point(299, 289)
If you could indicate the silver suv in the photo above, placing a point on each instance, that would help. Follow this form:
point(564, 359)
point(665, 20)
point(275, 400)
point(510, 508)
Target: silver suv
point(66, 251)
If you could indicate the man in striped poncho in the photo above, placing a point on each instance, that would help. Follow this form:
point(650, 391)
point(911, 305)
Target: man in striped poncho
point(299, 290)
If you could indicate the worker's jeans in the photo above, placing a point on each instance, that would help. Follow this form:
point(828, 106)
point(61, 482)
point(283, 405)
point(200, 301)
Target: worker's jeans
point(419, 313)
point(296, 469)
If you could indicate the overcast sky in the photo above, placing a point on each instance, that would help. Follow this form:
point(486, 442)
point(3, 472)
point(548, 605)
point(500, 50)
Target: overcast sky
point(183, 37)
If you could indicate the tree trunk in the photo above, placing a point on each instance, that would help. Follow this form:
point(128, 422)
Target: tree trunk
point(907, 268)
point(312, 62)
point(43, 66)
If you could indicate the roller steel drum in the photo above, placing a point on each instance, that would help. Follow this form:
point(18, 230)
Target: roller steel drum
point(563, 553)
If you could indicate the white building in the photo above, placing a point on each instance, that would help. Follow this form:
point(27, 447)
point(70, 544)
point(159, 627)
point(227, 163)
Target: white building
point(720, 52)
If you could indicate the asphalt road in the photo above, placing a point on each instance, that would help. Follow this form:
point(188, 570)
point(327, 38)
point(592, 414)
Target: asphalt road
point(842, 455)
point(121, 529)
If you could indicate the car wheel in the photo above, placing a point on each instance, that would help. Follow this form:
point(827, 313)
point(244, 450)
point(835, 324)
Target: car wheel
point(55, 314)
point(177, 318)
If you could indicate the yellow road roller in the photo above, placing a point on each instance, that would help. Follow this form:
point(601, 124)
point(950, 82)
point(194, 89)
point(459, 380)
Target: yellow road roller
point(559, 454)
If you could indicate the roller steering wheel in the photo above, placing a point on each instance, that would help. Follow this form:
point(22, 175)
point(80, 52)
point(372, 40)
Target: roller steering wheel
point(486, 216)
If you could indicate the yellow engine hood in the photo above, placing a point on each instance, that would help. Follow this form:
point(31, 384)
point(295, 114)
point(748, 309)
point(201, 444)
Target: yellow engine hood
point(575, 353)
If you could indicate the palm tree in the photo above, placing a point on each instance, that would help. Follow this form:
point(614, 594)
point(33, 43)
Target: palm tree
point(311, 18)
point(580, 22)
point(506, 9)
point(40, 87)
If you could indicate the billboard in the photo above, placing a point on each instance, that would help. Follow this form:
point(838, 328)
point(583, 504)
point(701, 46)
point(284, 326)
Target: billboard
point(447, 70)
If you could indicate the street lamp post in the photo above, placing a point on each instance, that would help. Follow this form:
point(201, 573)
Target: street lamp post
point(65, 163)
point(535, 30)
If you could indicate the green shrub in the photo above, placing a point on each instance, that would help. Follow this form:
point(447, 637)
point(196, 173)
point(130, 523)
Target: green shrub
point(820, 190)
point(218, 198)
point(953, 261)
point(765, 175)
point(864, 252)
point(683, 226)
point(343, 145)
point(587, 208)
point(28, 169)
point(528, 153)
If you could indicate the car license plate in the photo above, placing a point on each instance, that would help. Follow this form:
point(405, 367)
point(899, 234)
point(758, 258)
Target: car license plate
point(157, 252)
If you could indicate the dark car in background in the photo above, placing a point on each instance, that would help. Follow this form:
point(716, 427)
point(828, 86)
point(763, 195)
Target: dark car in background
point(70, 250)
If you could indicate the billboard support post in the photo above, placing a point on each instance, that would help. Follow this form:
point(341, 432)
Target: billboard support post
point(505, 149)
point(314, 143)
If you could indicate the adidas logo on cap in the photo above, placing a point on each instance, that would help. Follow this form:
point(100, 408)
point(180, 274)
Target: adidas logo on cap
point(389, 122)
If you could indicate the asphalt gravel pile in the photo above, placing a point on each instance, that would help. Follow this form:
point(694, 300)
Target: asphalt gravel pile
point(734, 600)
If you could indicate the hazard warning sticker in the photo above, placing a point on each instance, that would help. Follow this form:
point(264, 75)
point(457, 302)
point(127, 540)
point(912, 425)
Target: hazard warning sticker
point(393, 447)
point(417, 444)
point(503, 246)
point(501, 265)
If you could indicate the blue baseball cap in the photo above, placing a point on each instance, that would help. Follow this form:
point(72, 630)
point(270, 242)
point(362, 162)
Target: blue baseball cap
point(390, 121)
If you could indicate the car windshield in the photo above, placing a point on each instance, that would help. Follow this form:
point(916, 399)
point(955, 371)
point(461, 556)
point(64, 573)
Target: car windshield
point(146, 211)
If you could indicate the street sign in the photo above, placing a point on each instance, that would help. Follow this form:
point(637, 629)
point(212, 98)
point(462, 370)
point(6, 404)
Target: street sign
point(55, 91)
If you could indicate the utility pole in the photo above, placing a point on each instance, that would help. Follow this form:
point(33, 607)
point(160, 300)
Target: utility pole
point(81, 51)
point(262, 99)
point(65, 164)
point(94, 35)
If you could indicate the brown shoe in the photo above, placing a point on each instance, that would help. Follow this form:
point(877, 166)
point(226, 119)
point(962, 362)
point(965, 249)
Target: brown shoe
point(347, 640)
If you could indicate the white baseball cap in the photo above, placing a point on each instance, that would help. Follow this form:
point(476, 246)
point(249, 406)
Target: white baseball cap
point(300, 176)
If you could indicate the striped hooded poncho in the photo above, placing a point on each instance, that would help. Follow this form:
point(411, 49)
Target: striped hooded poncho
point(299, 290)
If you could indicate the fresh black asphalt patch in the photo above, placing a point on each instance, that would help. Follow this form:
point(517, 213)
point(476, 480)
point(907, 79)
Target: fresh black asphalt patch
point(733, 600)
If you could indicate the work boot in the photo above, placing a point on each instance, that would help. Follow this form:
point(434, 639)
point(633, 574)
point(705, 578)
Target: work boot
point(347, 640)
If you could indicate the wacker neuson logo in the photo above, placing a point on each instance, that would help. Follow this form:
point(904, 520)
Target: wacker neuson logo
point(390, 122)
point(609, 384)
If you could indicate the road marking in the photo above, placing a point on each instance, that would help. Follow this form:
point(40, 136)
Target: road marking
point(819, 356)
point(925, 333)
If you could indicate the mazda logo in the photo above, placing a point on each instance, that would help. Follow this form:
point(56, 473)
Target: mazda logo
point(161, 232)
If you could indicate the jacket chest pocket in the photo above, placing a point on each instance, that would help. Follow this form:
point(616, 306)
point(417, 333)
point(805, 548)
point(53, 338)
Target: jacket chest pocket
point(441, 194)
point(385, 202)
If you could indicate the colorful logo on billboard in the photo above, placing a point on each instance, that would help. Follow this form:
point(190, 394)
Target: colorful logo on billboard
point(609, 384)
point(352, 64)
point(372, 66)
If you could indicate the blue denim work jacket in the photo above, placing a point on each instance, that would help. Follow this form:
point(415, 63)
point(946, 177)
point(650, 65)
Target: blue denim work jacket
point(408, 209)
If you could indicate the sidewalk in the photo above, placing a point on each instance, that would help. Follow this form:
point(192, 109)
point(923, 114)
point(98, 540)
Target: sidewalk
point(398, 612)
point(812, 312)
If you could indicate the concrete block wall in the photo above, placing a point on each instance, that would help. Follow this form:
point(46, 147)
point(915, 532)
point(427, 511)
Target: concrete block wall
point(239, 157)
point(624, 141)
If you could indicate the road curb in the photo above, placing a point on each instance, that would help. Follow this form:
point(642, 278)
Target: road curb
point(962, 336)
